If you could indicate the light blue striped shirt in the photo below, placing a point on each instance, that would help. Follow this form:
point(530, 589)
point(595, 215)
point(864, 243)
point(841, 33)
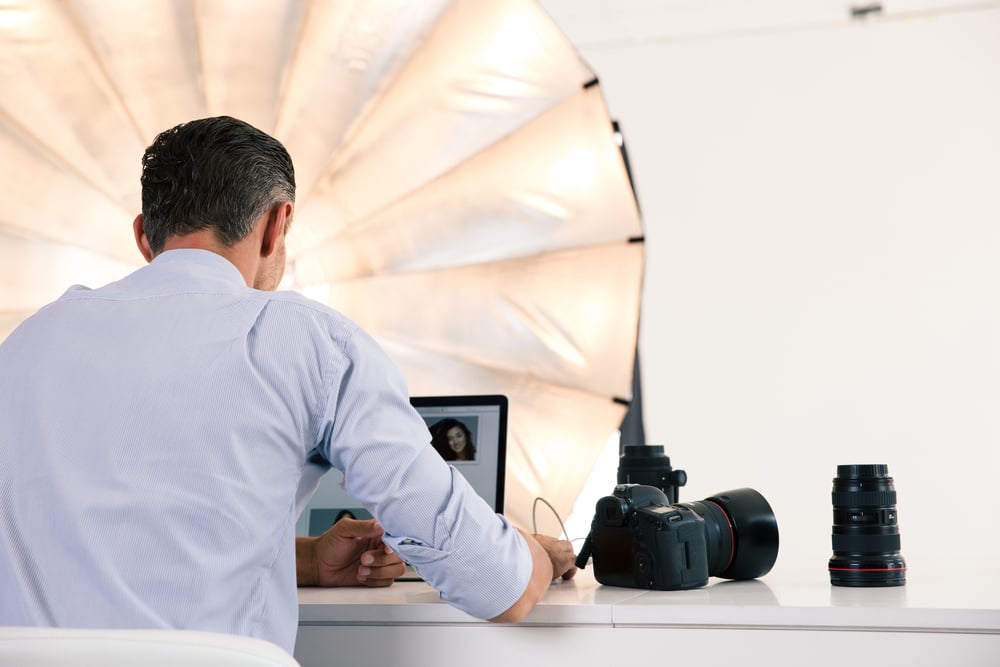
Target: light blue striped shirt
point(160, 435)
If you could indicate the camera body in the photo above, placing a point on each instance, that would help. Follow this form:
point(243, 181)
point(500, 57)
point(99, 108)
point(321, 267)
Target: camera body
point(640, 540)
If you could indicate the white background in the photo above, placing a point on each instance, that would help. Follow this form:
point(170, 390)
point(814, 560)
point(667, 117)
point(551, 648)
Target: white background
point(822, 207)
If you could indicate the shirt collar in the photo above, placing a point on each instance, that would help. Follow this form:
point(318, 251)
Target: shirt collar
point(203, 264)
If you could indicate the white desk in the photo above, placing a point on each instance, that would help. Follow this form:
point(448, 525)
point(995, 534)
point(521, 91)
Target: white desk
point(581, 623)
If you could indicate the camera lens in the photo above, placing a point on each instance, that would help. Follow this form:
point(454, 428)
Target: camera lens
point(648, 465)
point(865, 529)
point(741, 533)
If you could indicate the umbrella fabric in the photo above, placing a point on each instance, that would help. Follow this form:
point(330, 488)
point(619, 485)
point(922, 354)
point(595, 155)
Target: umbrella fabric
point(462, 193)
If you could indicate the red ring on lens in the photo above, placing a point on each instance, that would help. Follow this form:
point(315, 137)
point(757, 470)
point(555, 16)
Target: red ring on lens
point(732, 535)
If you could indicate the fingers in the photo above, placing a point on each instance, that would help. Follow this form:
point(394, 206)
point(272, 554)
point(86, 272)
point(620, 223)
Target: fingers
point(358, 528)
point(561, 554)
point(380, 567)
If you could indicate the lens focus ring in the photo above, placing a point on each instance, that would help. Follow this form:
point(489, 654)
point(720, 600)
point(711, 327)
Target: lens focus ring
point(862, 544)
point(881, 498)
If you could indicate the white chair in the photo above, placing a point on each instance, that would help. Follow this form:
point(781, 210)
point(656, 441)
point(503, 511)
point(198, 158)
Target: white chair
point(59, 647)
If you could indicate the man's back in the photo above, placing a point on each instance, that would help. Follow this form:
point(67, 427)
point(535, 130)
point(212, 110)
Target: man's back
point(152, 450)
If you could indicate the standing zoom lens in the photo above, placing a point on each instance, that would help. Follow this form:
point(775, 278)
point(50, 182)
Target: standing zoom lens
point(865, 529)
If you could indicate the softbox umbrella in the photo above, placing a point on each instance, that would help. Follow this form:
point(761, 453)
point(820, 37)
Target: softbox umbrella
point(462, 193)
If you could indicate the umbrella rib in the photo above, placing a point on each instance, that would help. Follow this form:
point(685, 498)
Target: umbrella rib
point(202, 74)
point(77, 23)
point(288, 74)
point(499, 261)
point(17, 231)
point(503, 369)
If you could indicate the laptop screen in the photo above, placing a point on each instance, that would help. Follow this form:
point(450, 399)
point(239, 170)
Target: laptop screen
point(470, 432)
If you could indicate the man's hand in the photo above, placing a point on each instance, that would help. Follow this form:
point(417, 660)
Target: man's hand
point(551, 558)
point(560, 553)
point(350, 553)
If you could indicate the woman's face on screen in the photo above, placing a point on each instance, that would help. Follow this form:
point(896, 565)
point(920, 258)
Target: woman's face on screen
point(456, 439)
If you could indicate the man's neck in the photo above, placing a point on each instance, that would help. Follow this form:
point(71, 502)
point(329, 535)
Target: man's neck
point(243, 254)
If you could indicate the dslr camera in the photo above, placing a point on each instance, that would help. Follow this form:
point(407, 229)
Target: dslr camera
point(640, 539)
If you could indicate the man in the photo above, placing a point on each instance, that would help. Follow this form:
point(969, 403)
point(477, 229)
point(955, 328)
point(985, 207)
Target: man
point(160, 435)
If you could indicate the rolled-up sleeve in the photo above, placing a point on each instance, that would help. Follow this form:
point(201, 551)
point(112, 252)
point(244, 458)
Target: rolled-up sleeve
point(476, 559)
point(433, 518)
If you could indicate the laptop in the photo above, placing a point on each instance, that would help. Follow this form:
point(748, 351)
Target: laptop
point(470, 432)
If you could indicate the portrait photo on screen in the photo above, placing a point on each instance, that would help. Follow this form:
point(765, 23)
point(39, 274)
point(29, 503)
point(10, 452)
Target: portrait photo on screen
point(454, 437)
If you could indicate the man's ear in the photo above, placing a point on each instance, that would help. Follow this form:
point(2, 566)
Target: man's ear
point(275, 226)
point(140, 238)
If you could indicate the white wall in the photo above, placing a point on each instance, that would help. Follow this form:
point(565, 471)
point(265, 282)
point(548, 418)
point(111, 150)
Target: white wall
point(823, 282)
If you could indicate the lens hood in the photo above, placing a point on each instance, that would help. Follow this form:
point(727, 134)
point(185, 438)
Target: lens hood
point(754, 529)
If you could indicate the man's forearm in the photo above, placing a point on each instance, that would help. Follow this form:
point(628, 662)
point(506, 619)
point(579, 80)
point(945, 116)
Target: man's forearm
point(541, 577)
